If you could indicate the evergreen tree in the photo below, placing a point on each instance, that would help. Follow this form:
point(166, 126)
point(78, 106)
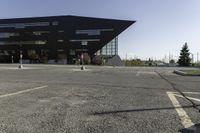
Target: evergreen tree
point(184, 58)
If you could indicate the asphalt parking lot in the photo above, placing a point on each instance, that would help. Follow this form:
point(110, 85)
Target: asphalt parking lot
point(58, 99)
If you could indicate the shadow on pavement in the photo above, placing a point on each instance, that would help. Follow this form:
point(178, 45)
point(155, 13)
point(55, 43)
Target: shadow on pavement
point(139, 110)
point(193, 129)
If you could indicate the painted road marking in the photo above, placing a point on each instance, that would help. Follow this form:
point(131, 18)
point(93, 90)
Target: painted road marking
point(24, 91)
point(191, 98)
point(145, 72)
point(187, 92)
point(185, 119)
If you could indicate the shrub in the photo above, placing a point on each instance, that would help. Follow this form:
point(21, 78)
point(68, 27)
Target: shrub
point(97, 60)
point(86, 59)
point(184, 58)
point(197, 64)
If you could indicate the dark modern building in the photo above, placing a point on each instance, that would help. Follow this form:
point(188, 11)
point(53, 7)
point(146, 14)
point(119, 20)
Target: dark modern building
point(59, 39)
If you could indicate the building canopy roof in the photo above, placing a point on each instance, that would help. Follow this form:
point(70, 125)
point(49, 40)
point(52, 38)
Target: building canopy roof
point(90, 32)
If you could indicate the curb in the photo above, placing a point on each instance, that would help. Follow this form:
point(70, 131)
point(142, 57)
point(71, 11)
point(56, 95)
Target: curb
point(180, 73)
point(184, 73)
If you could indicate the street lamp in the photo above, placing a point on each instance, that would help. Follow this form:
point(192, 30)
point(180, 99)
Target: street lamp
point(192, 57)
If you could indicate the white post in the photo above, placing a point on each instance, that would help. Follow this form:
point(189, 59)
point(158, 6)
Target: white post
point(12, 59)
point(83, 43)
point(192, 57)
point(82, 67)
point(21, 56)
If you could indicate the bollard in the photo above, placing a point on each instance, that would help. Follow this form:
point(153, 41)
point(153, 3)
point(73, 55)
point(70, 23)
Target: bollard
point(12, 59)
point(82, 68)
point(20, 65)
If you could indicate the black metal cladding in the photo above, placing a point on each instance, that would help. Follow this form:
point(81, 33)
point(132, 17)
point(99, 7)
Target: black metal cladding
point(58, 32)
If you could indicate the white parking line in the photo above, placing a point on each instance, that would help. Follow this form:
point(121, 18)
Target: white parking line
point(24, 91)
point(138, 73)
point(191, 98)
point(185, 119)
point(188, 92)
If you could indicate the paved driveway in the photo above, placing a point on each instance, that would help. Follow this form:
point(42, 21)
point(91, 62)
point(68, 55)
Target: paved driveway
point(57, 98)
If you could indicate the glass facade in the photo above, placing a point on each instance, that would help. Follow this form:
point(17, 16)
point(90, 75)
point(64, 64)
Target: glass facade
point(109, 49)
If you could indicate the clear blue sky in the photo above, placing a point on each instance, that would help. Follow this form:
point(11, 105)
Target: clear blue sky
point(162, 26)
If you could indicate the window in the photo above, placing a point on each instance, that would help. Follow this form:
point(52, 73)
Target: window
point(110, 49)
point(85, 40)
point(55, 23)
point(61, 31)
point(23, 25)
point(84, 43)
point(92, 32)
point(38, 42)
point(81, 50)
point(98, 52)
point(38, 33)
point(60, 40)
point(8, 35)
point(89, 32)
point(60, 50)
point(72, 52)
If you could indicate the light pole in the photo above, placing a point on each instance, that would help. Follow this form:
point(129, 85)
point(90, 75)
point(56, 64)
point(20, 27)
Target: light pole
point(192, 57)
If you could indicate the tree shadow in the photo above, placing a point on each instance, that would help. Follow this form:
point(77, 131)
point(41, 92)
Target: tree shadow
point(193, 129)
point(140, 110)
